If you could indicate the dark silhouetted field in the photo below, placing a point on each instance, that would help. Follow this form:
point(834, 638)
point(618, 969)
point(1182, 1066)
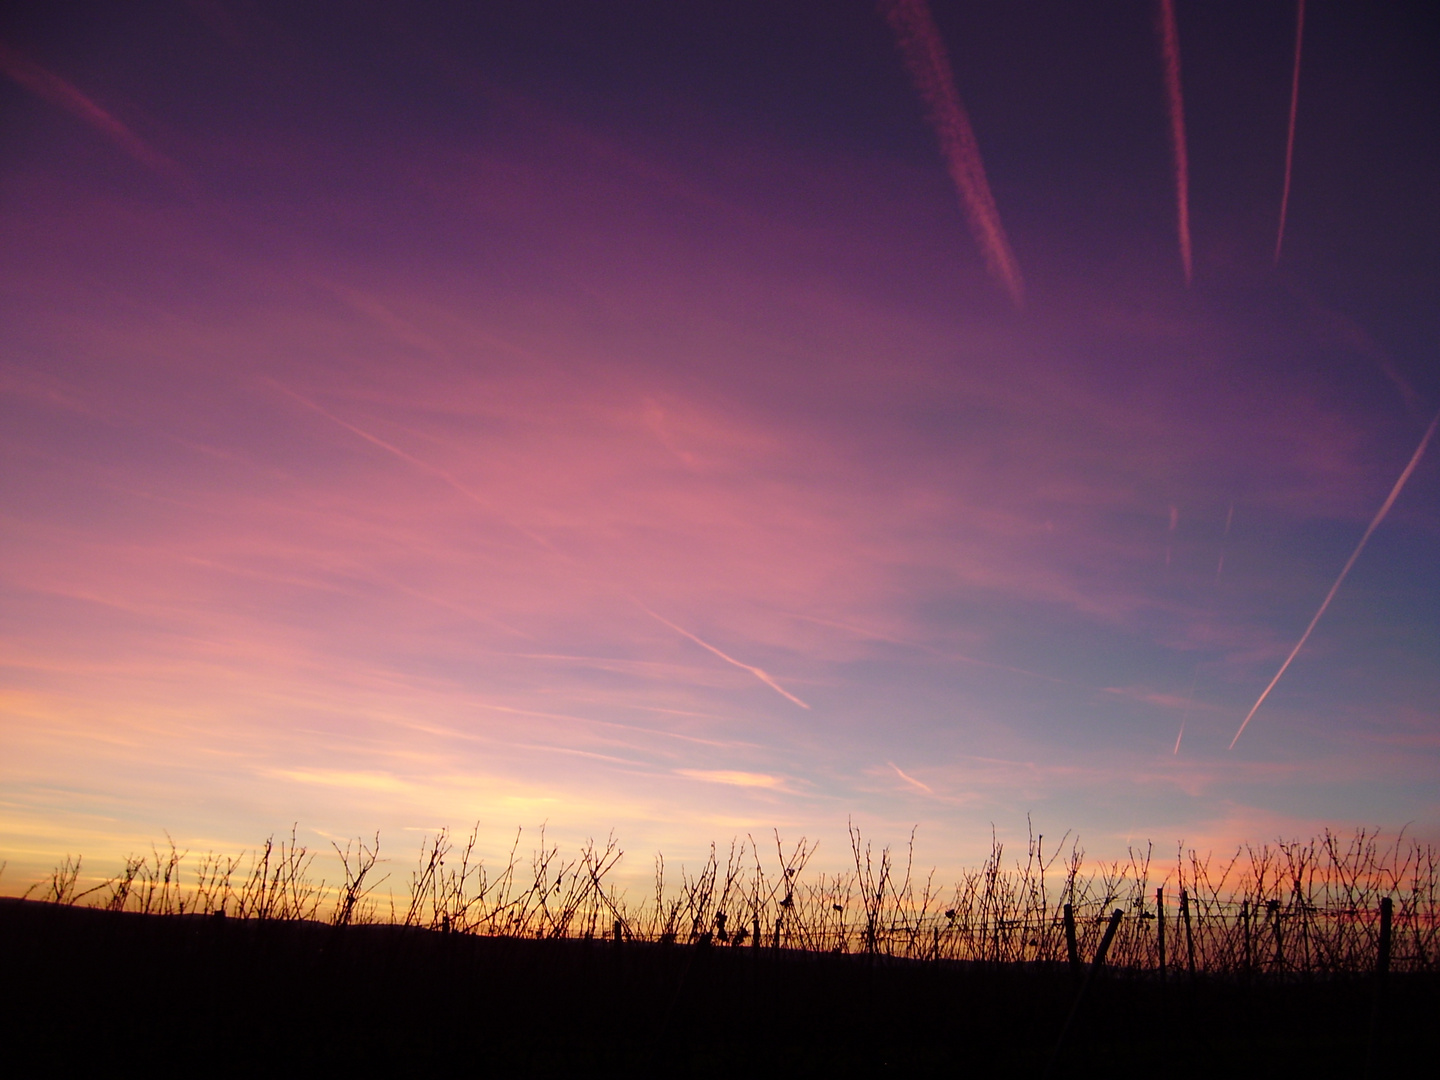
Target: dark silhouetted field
point(1278, 962)
point(206, 994)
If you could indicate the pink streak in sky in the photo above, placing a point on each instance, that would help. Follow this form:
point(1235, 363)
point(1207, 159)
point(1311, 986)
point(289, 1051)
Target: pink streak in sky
point(57, 91)
point(1385, 509)
point(757, 672)
point(928, 63)
point(423, 466)
point(1220, 566)
point(1290, 134)
point(1170, 48)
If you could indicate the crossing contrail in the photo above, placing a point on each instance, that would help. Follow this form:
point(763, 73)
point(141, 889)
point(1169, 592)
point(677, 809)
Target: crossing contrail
point(928, 64)
point(1290, 134)
point(757, 672)
point(1170, 51)
point(46, 84)
point(1385, 509)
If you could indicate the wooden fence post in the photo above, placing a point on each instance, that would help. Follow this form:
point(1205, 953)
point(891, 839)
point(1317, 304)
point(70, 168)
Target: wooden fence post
point(1382, 961)
point(1160, 929)
point(1189, 935)
point(1377, 1005)
point(1095, 966)
point(1245, 930)
point(1278, 964)
point(1070, 945)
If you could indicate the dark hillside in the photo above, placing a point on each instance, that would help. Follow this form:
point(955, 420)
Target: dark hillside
point(207, 994)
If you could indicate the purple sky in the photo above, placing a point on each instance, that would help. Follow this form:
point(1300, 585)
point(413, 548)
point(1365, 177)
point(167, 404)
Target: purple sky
point(605, 414)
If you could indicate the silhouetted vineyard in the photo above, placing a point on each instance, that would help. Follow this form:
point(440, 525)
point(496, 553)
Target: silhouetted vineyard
point(1313, 959)
point(1311, 907)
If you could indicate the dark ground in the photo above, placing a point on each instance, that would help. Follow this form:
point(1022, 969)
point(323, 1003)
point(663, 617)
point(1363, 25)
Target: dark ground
point(205, 995)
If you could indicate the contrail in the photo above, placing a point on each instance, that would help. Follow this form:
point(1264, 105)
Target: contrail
point(423, 466)
point(1185, 713)
point(1229, 517)
point(1385, 509)
point(910, 779)
point(1290, 134)
point(1170, 48)
point(928, 64)
point(57, 91)
point(757, 672)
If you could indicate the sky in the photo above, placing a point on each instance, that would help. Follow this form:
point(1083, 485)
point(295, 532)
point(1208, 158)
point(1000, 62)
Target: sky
point(708, 419)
